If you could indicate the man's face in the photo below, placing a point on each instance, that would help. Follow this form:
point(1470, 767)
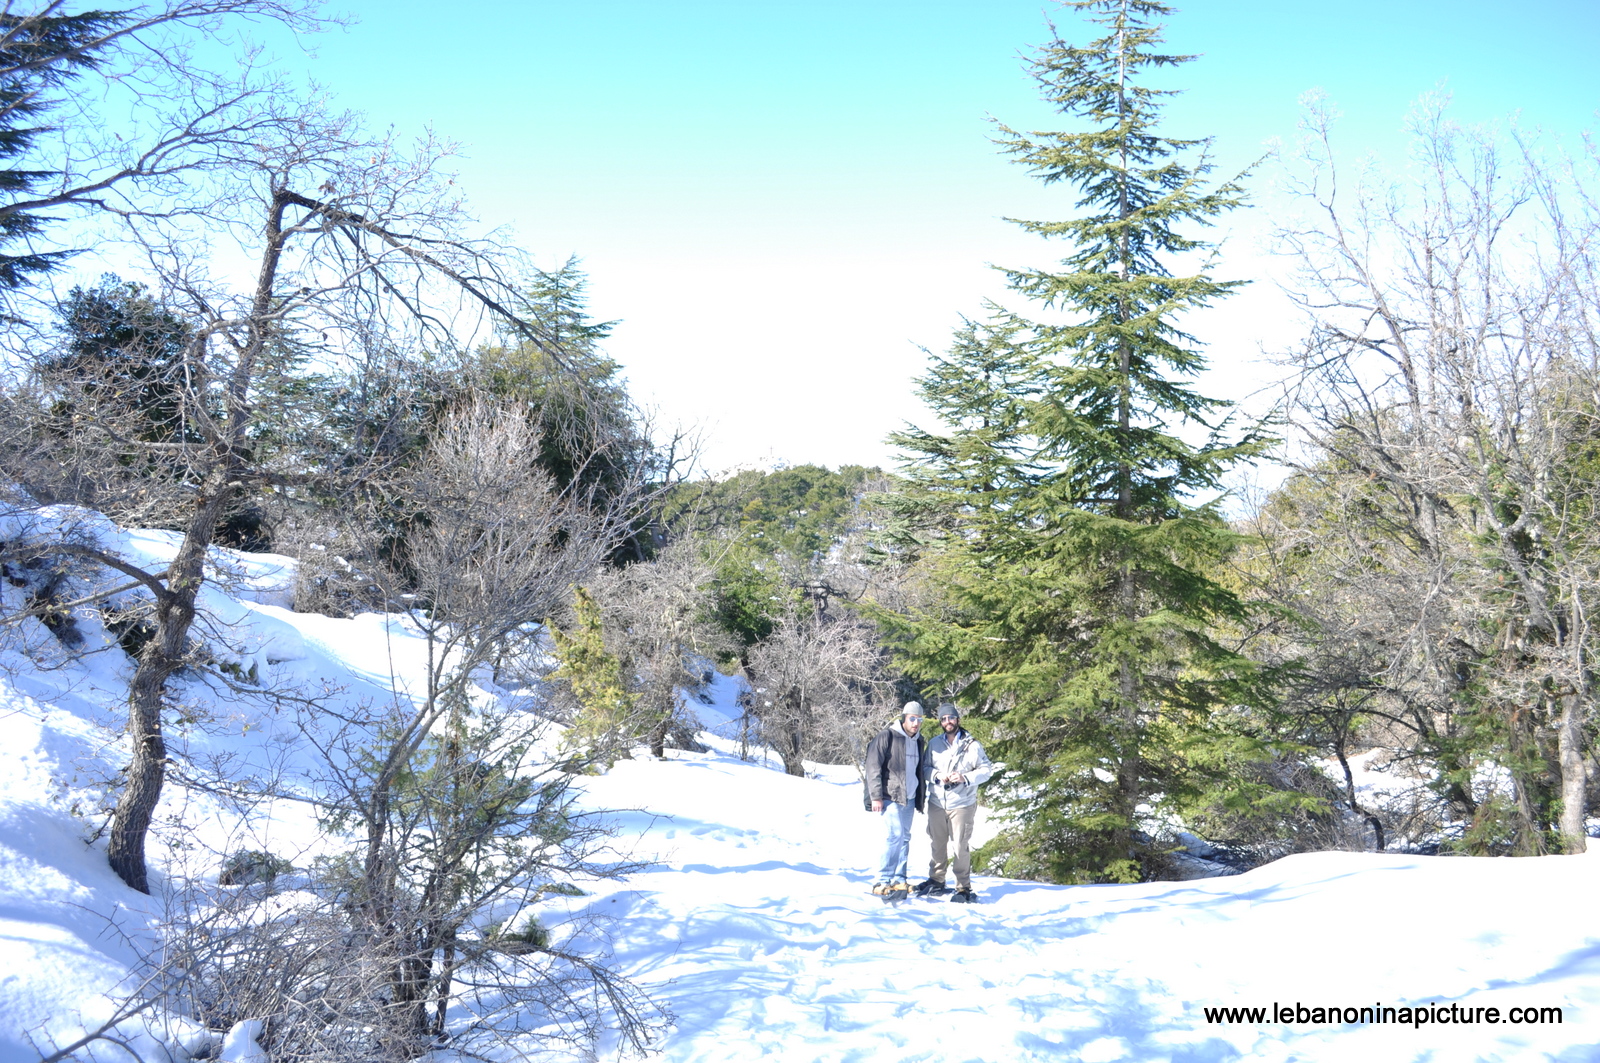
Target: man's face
point(912, 724)
point(951, 724)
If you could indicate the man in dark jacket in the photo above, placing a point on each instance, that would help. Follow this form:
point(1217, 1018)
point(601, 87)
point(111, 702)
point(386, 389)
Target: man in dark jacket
point(897, 774)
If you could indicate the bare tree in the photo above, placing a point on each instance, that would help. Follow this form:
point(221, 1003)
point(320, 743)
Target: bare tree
point(361, 253)
point(151, 122)
point(1447, 395)
point(820, 685)
point(656, 617)
point(431, 930)
point(456, 811)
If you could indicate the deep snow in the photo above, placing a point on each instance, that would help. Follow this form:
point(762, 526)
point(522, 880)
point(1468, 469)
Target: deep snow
point(754, 926)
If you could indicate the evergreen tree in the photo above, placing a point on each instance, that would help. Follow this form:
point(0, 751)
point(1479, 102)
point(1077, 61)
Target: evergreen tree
point(959, 483)
point(122, 347)
point(558, 301)
point(39, 53)
point(592, 439)
point(1065, 513)
point(796, 513)
point(749, 596)
point(594, 675)
point(122, 361)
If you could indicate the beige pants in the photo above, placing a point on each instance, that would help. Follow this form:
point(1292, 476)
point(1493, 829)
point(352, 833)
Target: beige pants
point(945, 825)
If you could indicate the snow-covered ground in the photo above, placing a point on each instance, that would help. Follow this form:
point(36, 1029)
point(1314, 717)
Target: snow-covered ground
point(759, 919)
point(754, 926)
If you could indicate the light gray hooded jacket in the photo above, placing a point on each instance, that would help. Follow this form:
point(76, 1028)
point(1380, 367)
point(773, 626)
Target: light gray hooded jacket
point(961, 753)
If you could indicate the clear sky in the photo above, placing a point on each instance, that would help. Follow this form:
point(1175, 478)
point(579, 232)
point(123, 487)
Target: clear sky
point(782, 199)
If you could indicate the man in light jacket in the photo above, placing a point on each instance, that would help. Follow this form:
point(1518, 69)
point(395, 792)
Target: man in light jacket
point(897, 774)
point(959, 767)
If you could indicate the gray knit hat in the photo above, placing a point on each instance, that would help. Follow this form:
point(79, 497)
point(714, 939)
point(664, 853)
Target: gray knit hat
point(913, 710)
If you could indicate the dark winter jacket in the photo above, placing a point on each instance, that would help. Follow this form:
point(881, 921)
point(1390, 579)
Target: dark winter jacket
point(886, 768)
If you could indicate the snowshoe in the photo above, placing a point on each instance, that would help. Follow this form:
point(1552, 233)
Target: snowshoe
point(891, 892)
point(932, 888)
point(964, 897)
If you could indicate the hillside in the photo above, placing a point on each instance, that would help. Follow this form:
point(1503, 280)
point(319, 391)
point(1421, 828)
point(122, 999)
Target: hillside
point(751, 923)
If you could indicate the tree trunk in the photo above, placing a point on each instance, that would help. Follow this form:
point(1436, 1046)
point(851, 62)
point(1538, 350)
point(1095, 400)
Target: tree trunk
point(793, 752)
point(1350, 783)
point(1128, 766)
point(442, 989)
point(404, 1034)
point(1530, 786)
point(165, 652)
point(162, 656)
point(658, 737)
point(1574, 776)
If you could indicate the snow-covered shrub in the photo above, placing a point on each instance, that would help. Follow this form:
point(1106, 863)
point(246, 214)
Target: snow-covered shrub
point(247, 867)
point(327, 582)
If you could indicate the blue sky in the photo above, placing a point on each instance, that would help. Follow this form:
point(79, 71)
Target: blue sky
point(782, 200)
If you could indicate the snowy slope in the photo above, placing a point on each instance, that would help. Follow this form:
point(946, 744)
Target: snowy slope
point(754, 926)
point(760, 919)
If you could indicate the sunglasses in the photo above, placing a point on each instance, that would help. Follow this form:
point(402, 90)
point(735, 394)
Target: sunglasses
point(942, 719)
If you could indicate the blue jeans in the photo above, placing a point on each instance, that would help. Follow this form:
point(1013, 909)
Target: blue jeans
point(897, 843)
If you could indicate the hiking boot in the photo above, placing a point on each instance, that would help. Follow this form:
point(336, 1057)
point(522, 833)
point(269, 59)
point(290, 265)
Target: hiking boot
point(931, 888)
point(965, 896)
point(880, 889)
point(902, 886)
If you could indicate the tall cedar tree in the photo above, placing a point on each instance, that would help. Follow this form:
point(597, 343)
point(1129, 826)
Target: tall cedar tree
point(1059, 507)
